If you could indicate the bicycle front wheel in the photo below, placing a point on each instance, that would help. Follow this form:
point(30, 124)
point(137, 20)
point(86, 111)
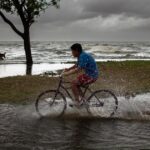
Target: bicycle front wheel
point(51, 103)
point(102, 103)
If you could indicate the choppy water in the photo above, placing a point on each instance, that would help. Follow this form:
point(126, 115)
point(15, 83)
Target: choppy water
point(57, 52)
point(21, 128)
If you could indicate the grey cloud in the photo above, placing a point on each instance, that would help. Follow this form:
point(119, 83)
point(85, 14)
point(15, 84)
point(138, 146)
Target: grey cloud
point(89, 20)
point(139, 8)
point(70, 10)
point(75, 10)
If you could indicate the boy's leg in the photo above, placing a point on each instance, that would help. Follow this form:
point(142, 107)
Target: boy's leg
point(75, 90)
point(81, 80)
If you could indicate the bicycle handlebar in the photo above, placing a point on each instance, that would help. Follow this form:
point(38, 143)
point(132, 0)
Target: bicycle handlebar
point(61, 75)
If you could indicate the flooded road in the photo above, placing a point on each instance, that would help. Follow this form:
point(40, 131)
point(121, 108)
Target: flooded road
point(21, 128)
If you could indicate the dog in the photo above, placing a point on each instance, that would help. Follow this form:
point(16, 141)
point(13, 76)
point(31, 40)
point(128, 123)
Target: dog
point(2, 56)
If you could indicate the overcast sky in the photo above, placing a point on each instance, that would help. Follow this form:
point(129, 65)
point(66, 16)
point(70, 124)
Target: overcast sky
point(92, 20)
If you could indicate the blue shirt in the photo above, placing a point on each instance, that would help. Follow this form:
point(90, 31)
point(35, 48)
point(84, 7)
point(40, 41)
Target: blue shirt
point(88, 64)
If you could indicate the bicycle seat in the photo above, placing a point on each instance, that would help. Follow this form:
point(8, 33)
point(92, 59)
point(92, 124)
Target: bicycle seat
point(86, 85)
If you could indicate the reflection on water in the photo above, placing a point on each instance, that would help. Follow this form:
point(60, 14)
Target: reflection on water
point(44, 134)
point(22, 69)
point(21, 128)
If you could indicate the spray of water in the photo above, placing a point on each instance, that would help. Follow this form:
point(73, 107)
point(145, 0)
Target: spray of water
point(134, 108)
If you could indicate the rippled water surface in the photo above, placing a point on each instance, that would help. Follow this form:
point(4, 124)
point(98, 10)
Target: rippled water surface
point(21, 128)
point(56, 52)
point(49, 56)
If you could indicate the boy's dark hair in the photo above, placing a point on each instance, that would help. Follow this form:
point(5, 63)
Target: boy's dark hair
point(77, 47)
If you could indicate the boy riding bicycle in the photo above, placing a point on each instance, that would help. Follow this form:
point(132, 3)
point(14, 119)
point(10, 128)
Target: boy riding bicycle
point(85, 63)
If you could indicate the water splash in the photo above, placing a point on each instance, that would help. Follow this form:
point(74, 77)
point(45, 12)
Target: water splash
point(137, 108)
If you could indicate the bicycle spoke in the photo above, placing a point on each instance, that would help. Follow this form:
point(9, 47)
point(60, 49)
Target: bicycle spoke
point(51, 103)
point(103, 103)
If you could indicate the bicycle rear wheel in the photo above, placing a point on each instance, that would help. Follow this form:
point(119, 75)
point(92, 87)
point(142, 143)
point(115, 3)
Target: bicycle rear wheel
point(51, 103)
point(102, 103)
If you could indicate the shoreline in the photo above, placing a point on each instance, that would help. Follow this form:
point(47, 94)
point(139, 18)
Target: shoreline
point(2, 62)
point(130, 77)
point(21, 69)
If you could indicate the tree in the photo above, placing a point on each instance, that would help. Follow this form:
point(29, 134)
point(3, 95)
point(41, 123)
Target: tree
point(28, 11)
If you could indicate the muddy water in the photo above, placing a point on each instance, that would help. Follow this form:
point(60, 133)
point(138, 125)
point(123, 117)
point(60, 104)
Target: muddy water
point(22, 129)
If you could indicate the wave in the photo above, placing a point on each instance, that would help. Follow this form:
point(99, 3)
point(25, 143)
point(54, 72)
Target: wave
point(50, 52)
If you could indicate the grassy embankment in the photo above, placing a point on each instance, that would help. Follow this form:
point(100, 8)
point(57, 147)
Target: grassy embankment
point(121, 77)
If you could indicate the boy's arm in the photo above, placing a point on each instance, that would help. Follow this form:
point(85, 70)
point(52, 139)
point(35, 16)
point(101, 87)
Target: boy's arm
point(72, 71)
point(73, 67)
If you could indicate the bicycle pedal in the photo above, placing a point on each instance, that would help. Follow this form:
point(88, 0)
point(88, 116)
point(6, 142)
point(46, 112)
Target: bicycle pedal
point(76, 106)
point(98, 105)
point(71, 105)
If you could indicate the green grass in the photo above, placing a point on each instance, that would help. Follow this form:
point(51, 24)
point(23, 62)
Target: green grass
point(120, 77)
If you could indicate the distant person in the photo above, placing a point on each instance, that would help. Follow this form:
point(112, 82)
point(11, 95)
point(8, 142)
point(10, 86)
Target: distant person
point(85, 63)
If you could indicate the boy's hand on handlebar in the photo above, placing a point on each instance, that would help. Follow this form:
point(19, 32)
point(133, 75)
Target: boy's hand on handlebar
point(63, 73)
point(66, 69)
point(70, 72)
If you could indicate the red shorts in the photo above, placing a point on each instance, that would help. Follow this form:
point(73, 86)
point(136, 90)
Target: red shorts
point(85, 79)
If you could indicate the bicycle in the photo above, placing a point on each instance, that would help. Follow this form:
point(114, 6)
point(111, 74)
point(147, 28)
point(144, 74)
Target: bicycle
point(55, 102)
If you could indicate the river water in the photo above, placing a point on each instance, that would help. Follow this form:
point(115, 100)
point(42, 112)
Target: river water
point(51, 56)
point(59, 52)
point(22, 129)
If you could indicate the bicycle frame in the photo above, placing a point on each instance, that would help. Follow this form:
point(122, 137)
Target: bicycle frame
point(86, 102)
point(61, 86)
